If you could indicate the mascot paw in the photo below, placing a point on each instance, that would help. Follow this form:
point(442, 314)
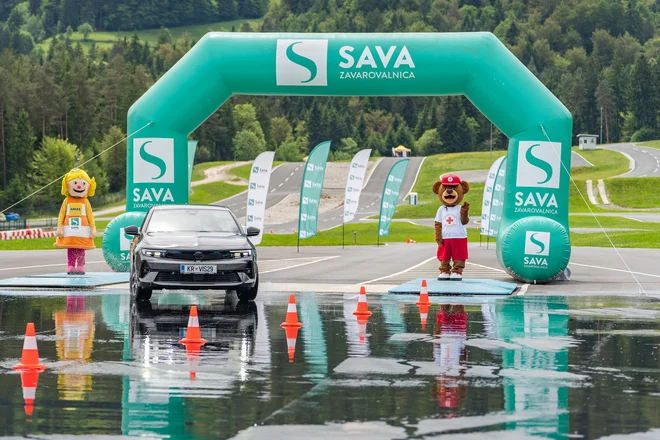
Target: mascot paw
point(456, 277)
point(440, 242)
point(466, 206)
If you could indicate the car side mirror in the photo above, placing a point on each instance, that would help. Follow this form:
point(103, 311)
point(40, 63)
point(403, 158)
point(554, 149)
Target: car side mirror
point(252, 231)
point(132, 230)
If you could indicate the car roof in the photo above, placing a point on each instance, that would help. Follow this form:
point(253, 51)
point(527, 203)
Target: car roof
point(181, 206)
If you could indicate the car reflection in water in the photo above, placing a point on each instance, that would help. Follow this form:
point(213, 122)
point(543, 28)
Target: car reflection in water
point(171, 382)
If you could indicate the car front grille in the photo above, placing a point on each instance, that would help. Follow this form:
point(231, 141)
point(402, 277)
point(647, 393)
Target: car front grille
point(171, 277)
point(198, 255)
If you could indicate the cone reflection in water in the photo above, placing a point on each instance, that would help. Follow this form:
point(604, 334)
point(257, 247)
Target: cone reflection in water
point(291, 314)
point(193, 332)
point(423, 314)
point(362, 306)
point(30, 355)
point(29, 380)
point(362, 327)
point(291, 337)
point(192, 354)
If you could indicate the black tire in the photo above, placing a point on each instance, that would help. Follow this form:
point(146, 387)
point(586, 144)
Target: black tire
point(138, 292)
point(248, 294)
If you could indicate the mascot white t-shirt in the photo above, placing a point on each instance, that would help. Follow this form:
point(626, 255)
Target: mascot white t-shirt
point(450, 217)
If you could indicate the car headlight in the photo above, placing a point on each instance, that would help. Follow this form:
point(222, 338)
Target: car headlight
point(152, 253)
point(241, 253)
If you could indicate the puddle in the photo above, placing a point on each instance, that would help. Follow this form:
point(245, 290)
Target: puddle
point(515, 368)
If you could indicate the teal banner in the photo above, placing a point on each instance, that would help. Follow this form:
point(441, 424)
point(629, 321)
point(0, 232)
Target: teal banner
point(310, 191)
point(491, 215)
point(192, 149)
point(390, 197)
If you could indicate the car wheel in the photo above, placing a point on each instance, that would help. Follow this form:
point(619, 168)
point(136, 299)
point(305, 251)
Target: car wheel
point(137, 292)
point(248, 294)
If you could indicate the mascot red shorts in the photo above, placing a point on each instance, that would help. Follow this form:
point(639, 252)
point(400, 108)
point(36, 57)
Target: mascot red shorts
point(453, 249)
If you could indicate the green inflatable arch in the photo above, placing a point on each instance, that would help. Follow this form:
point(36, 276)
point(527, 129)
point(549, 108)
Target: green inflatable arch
point(533, 243)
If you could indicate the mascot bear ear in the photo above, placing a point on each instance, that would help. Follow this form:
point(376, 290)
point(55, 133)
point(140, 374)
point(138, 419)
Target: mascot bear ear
point(466, 187)
point(436, 187)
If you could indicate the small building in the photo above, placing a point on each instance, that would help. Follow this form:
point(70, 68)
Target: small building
point(401, 151)
point(587, 141)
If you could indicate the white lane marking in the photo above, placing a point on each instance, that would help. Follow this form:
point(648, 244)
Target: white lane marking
point(631, 165)
point(602, 192)
point(643, 175)
point(590, 193)
point(656, 169)
point(272, 190)
point(583, 158)
point(291, 173)
point(280, 184)
point(636, 219)
point(615, 270)
point(301, 264)
point(286, 179)
point(46, 265)
point(399, 273)
point(416, 176)
point(523, 290)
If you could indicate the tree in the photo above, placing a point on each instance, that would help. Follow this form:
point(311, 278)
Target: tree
point(69, 32)
point(641, 96)
point(429, 143)
point(114, 161)
point(227, 9)
point(281, 130)
point(54, 159)
point(248, 145)
point(85, 29)
point(20, 143)
point(289, 151)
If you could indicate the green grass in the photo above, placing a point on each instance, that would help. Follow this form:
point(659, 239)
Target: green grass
point(244, 170)
point(106, 39)
point(639, 240)
point(198, 170)
point(366, 235)
point(213, 192)
point(606, 163)
point(38, 244)
point(652, 144)
point(587, 221)
point(634, 192)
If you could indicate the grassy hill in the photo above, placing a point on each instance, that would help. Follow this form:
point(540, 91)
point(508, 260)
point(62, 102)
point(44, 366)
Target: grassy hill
point(106, 39)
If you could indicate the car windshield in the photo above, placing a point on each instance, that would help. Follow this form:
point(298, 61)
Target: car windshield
point(193, 220)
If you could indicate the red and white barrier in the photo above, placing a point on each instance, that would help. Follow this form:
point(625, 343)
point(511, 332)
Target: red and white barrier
point(21, 234)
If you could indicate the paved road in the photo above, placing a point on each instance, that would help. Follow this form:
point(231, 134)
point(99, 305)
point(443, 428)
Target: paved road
point(646, 160)
point(333, 269)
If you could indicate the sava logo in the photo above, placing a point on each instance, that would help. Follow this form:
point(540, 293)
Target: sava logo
point(303, 234)
point(393, 179)
point(306, 217)
point(539, 164)
point(254, 185)
point(312, 167)
point(382, 232)
point(383, 218)
point(390, 63)
point(389, 192)
point(255, 202)
point(254, 218)
point(258, 170)
point(301, 63)
point(311, 184)
point(386, 205)
point(357, 165)
point(353, 177)
point(153, 160)
point(537, 244)
point(536, 203)
point(124, 241)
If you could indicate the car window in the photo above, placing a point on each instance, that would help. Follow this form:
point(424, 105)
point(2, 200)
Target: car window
point(193, 220)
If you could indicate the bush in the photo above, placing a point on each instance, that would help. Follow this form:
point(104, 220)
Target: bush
point(644, 134)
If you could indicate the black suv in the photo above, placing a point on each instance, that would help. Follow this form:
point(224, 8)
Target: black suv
point(192, 247)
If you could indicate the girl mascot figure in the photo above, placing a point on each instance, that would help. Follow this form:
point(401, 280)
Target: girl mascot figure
point(75, 225)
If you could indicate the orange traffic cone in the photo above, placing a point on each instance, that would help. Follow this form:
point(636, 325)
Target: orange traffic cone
point(29, 380)
point(193, 333)
point(291, 314)
point(30, 356)
point(291, 337)
point(423, 295)
point(362, 327)
point(192, 353)
point(362, 307)
point(410, 240)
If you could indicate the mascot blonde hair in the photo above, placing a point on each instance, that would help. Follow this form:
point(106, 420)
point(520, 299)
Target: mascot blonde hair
point(75, 225)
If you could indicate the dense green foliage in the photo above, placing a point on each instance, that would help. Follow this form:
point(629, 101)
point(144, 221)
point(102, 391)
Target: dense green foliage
point(592, 54)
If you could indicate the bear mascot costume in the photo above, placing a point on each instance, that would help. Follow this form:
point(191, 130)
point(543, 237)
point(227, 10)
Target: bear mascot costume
point(75, 225)
point(450, 230)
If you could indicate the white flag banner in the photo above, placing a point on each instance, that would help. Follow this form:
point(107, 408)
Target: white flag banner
point(354, 183)
point(257, 193)
point(488, 196)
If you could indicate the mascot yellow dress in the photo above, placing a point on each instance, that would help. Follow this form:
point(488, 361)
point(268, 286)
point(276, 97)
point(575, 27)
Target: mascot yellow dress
point(75, 225)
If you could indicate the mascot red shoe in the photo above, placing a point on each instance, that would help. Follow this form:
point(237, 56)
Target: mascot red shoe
point(75, 225)
point(450, 230)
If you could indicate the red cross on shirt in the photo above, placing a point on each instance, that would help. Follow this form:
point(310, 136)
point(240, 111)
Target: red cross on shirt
point(450, 220)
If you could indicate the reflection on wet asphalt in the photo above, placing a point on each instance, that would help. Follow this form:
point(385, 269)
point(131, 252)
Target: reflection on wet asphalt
point(515, 368)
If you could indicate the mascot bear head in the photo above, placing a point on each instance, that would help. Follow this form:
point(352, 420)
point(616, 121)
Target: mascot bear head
point(450, 190)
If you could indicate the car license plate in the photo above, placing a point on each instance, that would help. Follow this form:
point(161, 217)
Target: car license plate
point(199, 268)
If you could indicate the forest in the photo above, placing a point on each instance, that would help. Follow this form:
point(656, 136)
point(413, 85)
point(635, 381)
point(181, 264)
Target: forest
point(62, 103)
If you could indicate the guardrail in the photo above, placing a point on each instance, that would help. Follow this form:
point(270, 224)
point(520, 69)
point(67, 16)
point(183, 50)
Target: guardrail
point(13, 224)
